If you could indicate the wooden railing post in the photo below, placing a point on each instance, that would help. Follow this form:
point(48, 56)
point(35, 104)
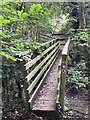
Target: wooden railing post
point(63, 79)
point(25, 84)
point(63, 69)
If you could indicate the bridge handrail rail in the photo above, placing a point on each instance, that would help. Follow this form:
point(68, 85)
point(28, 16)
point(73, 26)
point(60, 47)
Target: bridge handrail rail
point(65, 49)
point(26, 52)
point(45, 35)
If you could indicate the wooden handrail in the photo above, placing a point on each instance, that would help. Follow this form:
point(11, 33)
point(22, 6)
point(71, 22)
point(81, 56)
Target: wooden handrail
point(65, 49)
point(46, 43)
point(27, 52)
point(33, 61)
point(23, 53)
point(62, 67)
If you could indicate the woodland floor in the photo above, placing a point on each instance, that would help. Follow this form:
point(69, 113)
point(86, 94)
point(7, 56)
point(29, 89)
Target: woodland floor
point(78, 103)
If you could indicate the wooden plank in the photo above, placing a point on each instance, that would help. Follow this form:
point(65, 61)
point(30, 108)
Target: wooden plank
point(32, 62)
point(45, 44)
point(40, 84)
point(58, 88)
point(57, 99)
point(59, 83)
point(63, 74)
point(65, 49)
point(40, 65)
point(63, 80)
point(59, 75)
point(30, 88)
point(45, 105)
point(61, 38)
point(45, 113)
point(46, 35)
point(25, 84)
point(58, 33)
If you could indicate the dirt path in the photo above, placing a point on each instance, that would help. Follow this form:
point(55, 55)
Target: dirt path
point(78, 103)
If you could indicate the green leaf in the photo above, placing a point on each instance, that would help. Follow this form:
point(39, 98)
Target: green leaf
point(3, 34)
point(24, 14)
point(32, 8)
point(45, 13)
point(8, 56)
point(19, 13)
point(12, 19)
point(1, 17)
point(3, 42)
point(81, 85)
point(15, 12)
point(39, 7)
point(12, 48)
point(18, 44)
point(6, 21)
point(6, 10)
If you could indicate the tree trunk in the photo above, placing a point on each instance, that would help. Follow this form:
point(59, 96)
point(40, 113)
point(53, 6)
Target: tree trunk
point(82, 21)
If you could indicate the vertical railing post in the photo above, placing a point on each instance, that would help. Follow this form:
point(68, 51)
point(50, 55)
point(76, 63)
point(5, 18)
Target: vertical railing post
point(25, 85)
point(64, 61)
point(63, 79)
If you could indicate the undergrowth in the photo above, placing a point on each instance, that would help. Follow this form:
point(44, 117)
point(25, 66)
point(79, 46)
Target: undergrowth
point(77, 75)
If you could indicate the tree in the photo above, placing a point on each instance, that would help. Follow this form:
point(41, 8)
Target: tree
point(82, 21)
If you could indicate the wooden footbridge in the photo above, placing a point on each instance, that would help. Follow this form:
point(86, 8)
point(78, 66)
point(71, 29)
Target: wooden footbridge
point(45, 77)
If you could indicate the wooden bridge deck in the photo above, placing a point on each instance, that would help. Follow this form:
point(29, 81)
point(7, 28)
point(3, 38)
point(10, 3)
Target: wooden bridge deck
point(46, 97)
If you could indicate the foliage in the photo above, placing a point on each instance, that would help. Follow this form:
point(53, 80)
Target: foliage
point(22, 23)
point(65, 25)
point(79, 58)
point(77, 75)
point(21, 26)
point(82, 37)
